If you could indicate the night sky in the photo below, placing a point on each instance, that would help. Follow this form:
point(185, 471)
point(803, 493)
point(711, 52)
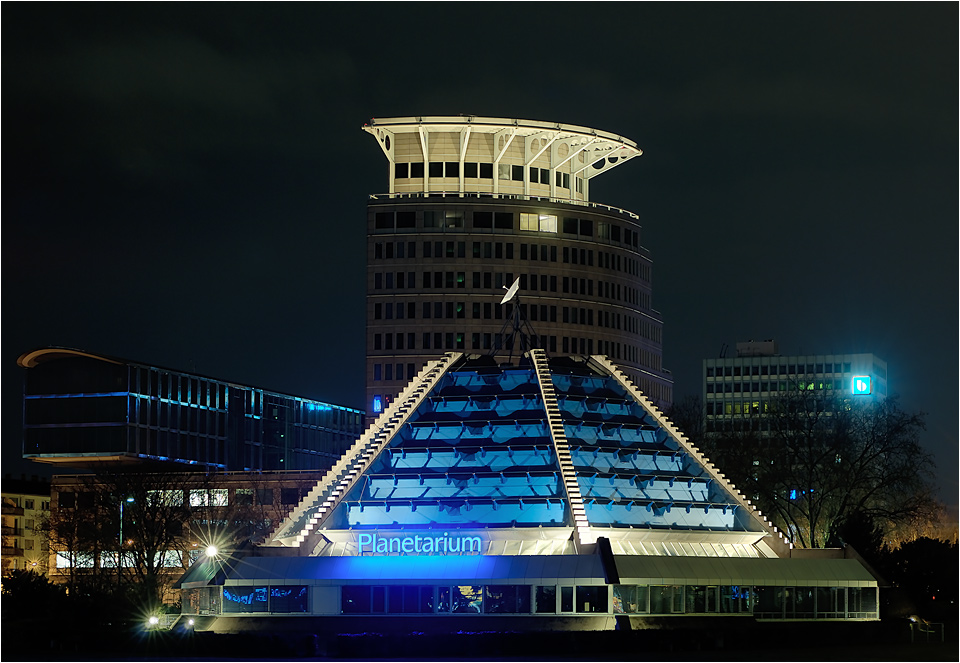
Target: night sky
point(185, 184)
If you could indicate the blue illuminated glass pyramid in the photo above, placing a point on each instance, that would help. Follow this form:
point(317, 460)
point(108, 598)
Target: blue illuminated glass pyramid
point(565, 443)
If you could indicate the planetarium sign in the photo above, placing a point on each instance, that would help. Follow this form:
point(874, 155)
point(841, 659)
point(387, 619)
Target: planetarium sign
point(418, 544)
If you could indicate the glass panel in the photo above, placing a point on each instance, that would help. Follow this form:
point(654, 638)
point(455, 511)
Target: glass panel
point(661, 599)
point(696, 599)
point(803, 602)
point(546, 600)
point(500, 598)
point(354, 599)
point(591, 598)
point(624, 599)
point(566, 599)
point(468, 598)
point(244, 599)
point(426, 599)
point(443, 599)
point(289, 598)
point(379, 600)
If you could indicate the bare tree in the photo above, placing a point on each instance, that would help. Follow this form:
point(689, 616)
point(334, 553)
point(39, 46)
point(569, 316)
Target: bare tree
point(124, 529)
point(156, 521)
point(825, 459)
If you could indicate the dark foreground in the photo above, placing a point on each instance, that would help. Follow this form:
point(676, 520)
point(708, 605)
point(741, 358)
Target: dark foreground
point(872, 641)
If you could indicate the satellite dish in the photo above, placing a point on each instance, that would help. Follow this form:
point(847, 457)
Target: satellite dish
point(511, 291)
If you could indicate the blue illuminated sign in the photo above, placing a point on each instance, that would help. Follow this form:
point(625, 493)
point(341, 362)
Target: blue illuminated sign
point(862, 385)
point(374, 544)
point(377, 404)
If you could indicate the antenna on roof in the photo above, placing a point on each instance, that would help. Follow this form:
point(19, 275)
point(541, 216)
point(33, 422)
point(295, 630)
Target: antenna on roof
point(528, 339)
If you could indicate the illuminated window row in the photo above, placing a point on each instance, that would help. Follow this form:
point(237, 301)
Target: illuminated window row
point(769, 386)
point(473, 599)
point(760, 601)
point(765, 602)
point(454, 219)
point(265, 598)
point(479, 171)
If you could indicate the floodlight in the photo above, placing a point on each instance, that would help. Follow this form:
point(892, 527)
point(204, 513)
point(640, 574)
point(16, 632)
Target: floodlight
point(211, 551)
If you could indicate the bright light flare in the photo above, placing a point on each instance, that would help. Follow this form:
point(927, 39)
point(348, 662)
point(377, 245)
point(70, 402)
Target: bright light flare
point(211, 551)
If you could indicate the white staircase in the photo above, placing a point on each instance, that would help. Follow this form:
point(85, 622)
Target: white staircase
point(561, 446)
point(302, 525)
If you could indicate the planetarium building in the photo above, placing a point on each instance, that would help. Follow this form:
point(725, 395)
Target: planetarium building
point(525, 492)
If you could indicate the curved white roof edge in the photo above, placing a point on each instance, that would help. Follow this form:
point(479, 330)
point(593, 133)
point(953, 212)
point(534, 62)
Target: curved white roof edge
point(490, 125)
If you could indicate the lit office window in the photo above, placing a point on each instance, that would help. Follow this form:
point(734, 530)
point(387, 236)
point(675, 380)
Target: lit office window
point(546, 223)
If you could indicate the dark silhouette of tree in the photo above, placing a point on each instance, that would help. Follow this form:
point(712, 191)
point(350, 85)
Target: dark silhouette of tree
point(28, 591)
point(687, 415)
point(861, 531)
point(927, 571)
point(825, 459)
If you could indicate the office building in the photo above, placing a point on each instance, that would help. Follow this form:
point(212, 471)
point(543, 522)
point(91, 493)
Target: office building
point(545, 493)
point(82, 409)
point(738, 391)
point(474, 203)
point(26, 504)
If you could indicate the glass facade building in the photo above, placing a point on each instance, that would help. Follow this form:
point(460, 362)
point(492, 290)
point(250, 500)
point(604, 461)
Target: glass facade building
point(474, 204)
point(82, 409)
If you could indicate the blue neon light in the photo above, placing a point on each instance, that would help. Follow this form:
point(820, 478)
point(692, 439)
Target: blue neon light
point(426, 544)
point(377, 404)
point(100, 395)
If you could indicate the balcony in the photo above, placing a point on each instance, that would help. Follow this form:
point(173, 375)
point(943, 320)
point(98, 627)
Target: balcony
point(12, 531)
point(501, 196)
point(11, 551)
point(10, 510)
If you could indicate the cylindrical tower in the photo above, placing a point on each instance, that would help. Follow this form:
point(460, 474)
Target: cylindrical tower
point(476, 202)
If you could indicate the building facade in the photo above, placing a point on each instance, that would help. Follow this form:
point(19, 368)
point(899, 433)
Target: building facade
point(26, 506)
point(81, 409)
point(473, 204)
point(546, 493)
point(738, 391)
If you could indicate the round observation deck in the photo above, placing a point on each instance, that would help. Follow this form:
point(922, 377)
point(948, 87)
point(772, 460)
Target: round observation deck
point(468, 154)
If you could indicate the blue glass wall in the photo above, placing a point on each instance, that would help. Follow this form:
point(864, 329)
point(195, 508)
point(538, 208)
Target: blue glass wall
point(476, 453)
point(631, 472)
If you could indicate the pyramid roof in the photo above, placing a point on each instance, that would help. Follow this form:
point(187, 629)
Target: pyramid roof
point(536, 456)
